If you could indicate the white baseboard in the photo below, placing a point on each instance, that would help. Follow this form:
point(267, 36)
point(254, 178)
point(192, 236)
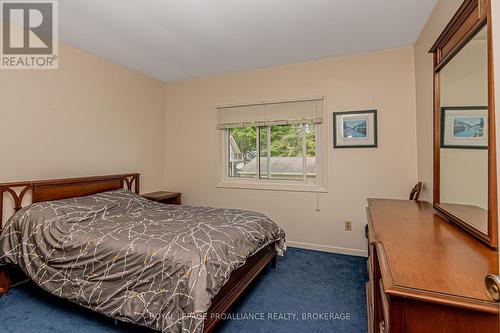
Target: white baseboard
point(329, 248)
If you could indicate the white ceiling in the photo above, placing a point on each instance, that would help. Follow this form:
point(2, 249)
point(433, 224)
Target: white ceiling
point(181, 39)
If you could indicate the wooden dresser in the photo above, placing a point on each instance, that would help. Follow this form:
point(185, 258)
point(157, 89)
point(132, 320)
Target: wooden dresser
point(426, 275)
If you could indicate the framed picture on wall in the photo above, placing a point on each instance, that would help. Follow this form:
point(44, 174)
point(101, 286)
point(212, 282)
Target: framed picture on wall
point(464, 127)
point(355, 129)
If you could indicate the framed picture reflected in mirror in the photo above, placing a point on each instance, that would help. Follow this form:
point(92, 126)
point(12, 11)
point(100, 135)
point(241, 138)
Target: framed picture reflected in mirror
point(464, 127)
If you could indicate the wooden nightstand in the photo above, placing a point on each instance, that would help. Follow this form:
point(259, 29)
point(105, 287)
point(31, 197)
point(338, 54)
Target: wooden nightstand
point(172, 198)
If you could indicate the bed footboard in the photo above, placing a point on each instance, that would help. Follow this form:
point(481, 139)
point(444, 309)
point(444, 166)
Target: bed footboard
point(238, 283)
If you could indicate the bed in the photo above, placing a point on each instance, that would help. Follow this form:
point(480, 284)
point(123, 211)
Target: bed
point(96, 242)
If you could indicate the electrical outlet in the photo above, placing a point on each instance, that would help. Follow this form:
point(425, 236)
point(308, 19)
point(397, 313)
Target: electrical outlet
point(348, 225)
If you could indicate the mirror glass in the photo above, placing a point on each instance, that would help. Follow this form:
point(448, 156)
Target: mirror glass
point(464, 134)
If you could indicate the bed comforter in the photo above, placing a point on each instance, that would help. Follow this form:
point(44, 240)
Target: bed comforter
point(133, 259)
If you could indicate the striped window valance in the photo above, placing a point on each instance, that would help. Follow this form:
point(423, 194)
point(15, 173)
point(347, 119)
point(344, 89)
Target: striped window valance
point(271, 113)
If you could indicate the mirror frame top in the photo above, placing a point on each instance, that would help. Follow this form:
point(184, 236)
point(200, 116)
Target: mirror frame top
point(470, 18)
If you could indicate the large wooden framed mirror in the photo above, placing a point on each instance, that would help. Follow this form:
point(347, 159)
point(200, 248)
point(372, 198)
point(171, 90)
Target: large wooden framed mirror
point(465, 185)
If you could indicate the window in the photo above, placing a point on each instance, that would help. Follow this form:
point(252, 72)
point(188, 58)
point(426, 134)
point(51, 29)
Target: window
point(274, 147)
point(284, 152)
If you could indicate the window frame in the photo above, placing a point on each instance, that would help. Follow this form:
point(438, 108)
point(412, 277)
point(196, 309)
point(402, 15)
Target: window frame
point(258, 183)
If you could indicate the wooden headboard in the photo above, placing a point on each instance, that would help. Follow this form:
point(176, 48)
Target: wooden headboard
point(56, 189)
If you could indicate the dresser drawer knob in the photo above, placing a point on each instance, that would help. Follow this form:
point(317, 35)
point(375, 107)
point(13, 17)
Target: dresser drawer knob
point(493, 286)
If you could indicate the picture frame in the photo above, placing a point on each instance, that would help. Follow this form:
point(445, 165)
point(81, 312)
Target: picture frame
point(464, 127)
point(355, 129)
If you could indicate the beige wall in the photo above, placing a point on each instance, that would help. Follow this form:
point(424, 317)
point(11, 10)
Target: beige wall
point(89, 117)
point(383, 80)
point(440, 17)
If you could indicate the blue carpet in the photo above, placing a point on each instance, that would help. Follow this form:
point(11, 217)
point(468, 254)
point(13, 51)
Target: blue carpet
point(309, 291)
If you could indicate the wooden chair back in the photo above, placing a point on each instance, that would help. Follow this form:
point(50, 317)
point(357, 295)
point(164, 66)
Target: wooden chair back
point(415, 191)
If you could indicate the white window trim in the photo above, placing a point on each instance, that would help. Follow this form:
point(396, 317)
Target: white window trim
point(321, 185)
